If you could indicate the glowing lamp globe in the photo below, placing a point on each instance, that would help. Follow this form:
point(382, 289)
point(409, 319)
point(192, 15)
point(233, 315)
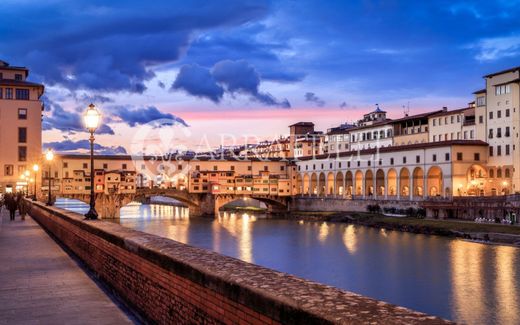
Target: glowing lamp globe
point(36, 167)
point(49, 155)
point(92, 118)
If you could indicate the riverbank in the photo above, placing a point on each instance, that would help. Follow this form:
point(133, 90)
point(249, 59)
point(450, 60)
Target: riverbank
point(487, 233)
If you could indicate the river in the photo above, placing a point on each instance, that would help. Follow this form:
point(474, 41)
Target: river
point(463, 281)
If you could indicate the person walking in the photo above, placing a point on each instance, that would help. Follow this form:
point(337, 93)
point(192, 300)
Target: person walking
point(11, 206)
point(22, 207)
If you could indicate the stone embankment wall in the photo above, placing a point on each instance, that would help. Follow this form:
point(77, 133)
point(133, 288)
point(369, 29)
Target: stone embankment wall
point(317, 204)
point(172, 283)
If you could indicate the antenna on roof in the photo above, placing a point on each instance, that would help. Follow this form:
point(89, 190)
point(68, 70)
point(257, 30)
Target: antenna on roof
point(406, 109)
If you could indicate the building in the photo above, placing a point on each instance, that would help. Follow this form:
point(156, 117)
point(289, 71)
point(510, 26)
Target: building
point(20, 126)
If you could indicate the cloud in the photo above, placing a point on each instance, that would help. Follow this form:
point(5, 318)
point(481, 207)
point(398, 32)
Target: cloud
point(233, 77)
point(161, 84)
point(312, 98)
point(345, 105)
point(491, 49)
point(198, 81)
point(109, 45)
point(83, 146)
point(63, 120)
point(145, 115)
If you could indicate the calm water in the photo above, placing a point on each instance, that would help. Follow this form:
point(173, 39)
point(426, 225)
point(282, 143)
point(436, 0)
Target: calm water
point(462, 281)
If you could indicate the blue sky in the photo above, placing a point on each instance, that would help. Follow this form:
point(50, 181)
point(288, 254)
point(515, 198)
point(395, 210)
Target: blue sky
point(246, 67)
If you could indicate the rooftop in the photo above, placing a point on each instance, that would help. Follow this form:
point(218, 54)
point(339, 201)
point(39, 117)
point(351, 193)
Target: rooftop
point(502, 72)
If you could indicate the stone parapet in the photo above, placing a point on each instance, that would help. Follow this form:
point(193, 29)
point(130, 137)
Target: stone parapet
point(169, 282)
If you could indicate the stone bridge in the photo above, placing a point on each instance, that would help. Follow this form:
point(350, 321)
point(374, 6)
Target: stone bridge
point(199, 204)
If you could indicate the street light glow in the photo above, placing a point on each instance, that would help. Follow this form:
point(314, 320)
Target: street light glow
point(36, 168)
point(49, 155)
point(92, 118)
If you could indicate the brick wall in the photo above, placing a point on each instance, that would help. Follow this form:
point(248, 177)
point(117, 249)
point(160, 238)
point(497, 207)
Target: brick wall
point(172, 283)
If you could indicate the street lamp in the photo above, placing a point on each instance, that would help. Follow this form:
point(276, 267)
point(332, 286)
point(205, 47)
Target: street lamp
point(35, 169)
point(27, 174)
point(49, 156)
point(92, 119)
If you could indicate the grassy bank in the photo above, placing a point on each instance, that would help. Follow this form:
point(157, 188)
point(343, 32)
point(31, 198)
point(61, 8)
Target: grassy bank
point(441, 225)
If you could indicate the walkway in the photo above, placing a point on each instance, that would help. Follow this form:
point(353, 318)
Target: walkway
point(41, 284)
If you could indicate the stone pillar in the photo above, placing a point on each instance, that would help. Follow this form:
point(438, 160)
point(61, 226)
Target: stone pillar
point(411, 187)
point(398, 189)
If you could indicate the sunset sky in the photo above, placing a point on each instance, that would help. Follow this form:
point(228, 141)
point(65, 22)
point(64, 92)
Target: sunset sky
point(250, 68)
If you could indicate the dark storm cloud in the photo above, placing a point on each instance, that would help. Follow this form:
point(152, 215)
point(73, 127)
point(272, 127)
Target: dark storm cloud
point(83, 145)
point(60, 119)
point(233, 77)
point(312, 98)
point(110, 45)
point(145, 115)
point(198, 81)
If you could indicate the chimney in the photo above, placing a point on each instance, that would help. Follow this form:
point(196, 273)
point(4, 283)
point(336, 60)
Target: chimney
point(444, 108)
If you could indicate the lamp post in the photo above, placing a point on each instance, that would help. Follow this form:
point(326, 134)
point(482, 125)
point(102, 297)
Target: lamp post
point(92, 119)
point(35, 169)
point(27, 174)
point(49, 156)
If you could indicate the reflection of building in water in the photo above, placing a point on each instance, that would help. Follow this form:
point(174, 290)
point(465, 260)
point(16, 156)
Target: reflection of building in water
point(506, 286)
point(240, 229)
point(467, 278)
point(324, 232)
point(349, 239)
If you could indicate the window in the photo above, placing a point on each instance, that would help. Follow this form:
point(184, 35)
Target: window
point(232, 168)
point(465, 135)
point(481, 119)
point(499, 150)
point(65, 164)
point(17, 76)
point(105, 166)
point(499, 114)
point(481, 101)
point(507, 172)
point(197, 167)
point(8, 93)
point(22, 94)
point(22, 113)
point(471, 134)
point(85, 165)
point(215, 167)
point(491, 173)
point(491, 151)
point(447, 157)
point(391, 161)
point(434, 120)
point(434, 138)
point(1, 91)
point(507, 131)
point(459, 156)
point(8, 170)
point(502, 89)
point(499, 173)
point(417, 159)
point(22, 135)
point(508, 112)
point(490, 115)
point(22, 153)
point(124, 166)
point(369, 163)
point(249, 168)
point(434, 157)
point(490, 135)
point(404, 160)
point(499, 132)
point(476, 156)
point(507, 150)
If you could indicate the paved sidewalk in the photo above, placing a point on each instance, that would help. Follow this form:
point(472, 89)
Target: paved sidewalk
point(41, 284)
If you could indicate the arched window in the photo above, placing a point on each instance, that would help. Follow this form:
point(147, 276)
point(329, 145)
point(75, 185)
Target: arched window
point(508, 174)
point(491, 173)
point(499, 173)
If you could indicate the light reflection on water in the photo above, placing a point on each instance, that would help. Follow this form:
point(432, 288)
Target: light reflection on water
point(463, 281)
